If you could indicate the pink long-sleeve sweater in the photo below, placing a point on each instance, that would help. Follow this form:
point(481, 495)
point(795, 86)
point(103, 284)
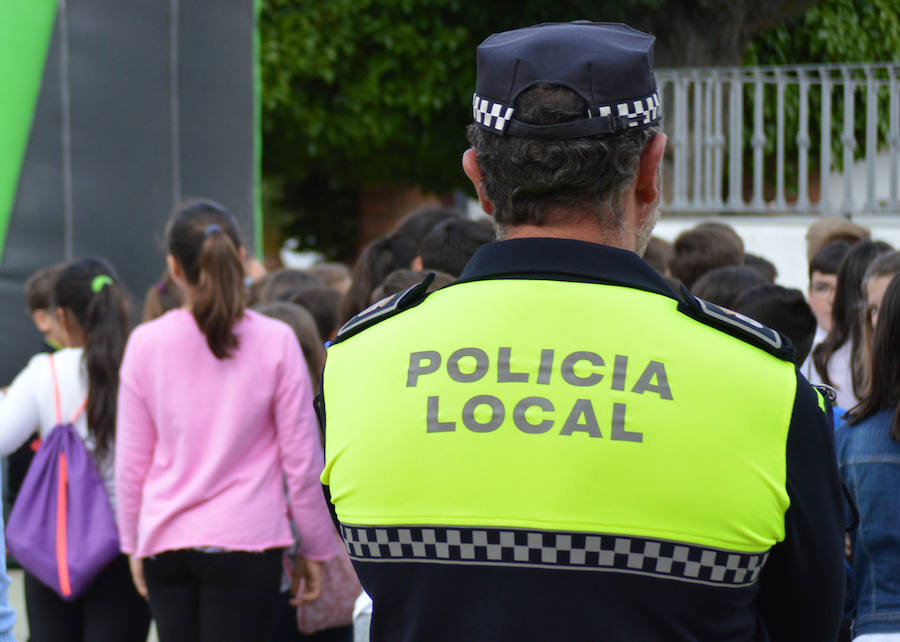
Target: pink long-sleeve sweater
point(201, 443)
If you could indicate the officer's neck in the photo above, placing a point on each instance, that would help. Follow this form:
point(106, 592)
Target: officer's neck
point(578, 228)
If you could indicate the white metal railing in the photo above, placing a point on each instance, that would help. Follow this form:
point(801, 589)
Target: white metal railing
point(704, 115)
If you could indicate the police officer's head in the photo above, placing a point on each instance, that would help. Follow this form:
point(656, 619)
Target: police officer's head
point(566, 129)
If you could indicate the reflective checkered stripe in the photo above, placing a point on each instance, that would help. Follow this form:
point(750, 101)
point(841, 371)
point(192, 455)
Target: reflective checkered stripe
point(491, 114)
point(632, 113)
point(635, 112)
point(553, 549)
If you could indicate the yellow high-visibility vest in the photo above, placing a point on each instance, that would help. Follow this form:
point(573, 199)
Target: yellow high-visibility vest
point(559, 406)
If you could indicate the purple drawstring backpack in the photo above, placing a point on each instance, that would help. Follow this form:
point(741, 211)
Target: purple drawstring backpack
point(61, 529)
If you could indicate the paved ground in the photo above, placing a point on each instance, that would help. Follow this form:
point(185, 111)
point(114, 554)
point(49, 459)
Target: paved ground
point(17, 600)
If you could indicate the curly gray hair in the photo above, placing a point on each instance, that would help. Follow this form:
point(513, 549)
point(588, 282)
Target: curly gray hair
point(525, 178)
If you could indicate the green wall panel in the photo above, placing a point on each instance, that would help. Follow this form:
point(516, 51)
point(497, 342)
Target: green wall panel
point(25, 30)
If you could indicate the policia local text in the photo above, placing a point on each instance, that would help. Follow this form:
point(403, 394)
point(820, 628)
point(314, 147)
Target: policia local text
point(486, 413)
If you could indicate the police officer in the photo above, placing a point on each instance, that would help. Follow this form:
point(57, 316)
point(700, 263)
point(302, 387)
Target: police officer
point(559, 447)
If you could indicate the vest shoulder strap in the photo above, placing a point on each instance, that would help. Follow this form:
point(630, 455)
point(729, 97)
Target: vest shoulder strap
point(737, 325)
point(386, 308)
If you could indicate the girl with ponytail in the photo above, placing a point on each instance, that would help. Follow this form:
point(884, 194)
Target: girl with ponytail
point(215, 411)
point(93, 311)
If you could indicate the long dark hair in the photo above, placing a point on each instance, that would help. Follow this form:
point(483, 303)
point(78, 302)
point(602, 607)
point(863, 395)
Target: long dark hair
point(886, 265)
point(393, 251)
point(203, 238)
point(884, 368)
point(161, 297)
point(91, 292)
point(847, 311)
point(375, 262)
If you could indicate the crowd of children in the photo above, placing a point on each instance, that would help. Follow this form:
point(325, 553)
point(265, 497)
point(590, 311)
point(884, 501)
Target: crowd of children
point(201, 418)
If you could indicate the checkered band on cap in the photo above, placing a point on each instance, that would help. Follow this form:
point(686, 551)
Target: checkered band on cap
point(634, 112)
point(554, 549)
point(490, 114)
point(603, 120)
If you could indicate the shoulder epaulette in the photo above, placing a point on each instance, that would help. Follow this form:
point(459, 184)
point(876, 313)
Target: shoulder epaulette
point(386, 308)
point(737, 325)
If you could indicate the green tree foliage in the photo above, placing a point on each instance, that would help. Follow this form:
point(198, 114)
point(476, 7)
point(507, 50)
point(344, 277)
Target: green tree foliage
point(833, 31)
point(359, 92)
point(375, 90)
point(356, 92)
point(358, 89)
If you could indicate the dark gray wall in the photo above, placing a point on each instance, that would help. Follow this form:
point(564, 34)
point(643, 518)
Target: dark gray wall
point(160, 104)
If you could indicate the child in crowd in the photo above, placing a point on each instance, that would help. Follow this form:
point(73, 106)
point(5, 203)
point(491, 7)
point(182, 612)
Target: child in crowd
point(215, 408)
point(657, 254)
point(275, 285)
point(388, 253)
point(869, 458)
point(407, 236)
point(400, 280)
point(823, 269)
point(40, 307)
point(304, 326)
point(724, 285)
point(323, 303)
point(703, 248)
point(39, 300)
point(450, 244)
point(782, 309)
point(838, 359)
point(828, 229)
point(762, 266)
point(161, 297)
point(878, 275)
point(332, 275)
point(93, 315)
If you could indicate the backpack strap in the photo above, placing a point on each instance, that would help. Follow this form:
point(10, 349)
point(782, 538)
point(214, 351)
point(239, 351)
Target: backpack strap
point(56, 400)
point(55, 389)
point(81, 408)
point(62, 526)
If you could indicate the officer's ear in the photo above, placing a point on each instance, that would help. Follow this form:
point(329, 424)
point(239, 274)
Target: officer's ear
point(647, 184)
point(473, 171)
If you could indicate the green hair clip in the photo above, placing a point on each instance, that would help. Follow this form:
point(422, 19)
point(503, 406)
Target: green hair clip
point(100, 281)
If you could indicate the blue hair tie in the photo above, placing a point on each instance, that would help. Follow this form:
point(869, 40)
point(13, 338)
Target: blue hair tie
point(210, 229)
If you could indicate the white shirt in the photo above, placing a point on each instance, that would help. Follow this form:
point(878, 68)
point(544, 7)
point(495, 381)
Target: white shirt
point(29, 405)
point(808, 369)
point(840, 374)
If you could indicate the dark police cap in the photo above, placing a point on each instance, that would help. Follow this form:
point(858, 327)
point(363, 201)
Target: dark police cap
point(609, 65)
